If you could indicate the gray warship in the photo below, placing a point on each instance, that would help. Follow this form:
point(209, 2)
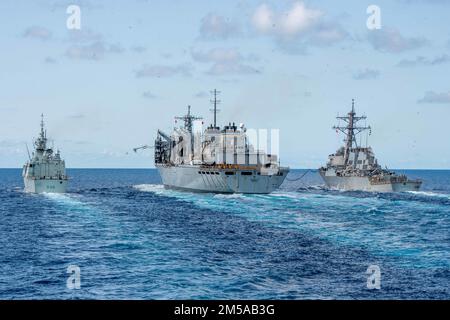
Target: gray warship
point(354, 167)
point(219, 160)
point(45, 171)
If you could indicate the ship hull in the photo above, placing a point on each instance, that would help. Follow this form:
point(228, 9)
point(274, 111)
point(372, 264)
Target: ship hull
point(364, 184)
point(45, 185)
point(197, 179)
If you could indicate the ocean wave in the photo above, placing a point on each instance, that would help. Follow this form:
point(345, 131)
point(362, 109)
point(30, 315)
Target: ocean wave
point(148, 241)
point(351, 218)
point(149, 187)
point(61, 197)
point(229, 196)
point(430, 194)
point(312, 188)
point(72, 202)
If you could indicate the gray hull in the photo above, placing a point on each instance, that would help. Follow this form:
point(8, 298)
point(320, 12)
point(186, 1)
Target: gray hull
point(45, 185)
point(197, 179)
point(363, 184)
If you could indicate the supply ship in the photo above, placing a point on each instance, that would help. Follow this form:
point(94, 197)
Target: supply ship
point(220, 160)
point(353, 167)
point(45, 171)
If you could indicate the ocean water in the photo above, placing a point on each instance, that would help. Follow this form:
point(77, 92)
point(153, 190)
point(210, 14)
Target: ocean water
point(133, 239)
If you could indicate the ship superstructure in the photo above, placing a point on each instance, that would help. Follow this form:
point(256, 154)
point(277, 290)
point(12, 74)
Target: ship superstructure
point(215, 160)
point(354, 167)
point(45, 171)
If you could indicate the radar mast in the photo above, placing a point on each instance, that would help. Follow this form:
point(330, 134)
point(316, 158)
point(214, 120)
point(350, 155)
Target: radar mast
point(351, 130)
point(215, 102)
point(188, 120)
point(41, 141)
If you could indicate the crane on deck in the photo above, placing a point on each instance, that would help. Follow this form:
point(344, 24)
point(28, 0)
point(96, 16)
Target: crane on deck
point(143, 148)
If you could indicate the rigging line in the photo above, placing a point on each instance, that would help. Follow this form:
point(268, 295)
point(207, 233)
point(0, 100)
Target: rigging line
point(296, 179)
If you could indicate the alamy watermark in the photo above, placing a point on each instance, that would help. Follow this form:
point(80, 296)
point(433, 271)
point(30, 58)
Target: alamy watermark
point(73, 22)
point(74, 279)
point(373, 277)
point(374, 20)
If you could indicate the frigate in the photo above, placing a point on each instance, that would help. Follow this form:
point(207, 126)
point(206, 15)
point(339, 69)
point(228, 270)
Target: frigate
point(45, 171)
point(218, 160)
point(354, 167)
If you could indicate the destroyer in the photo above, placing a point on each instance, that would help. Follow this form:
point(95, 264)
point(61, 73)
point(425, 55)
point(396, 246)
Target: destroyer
point(45, 171)
point(354, 167)
point(215, 160)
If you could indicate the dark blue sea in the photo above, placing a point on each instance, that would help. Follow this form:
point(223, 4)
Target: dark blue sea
point(132, 239)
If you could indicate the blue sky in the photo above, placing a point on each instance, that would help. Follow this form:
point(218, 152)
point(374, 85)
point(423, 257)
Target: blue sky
point(291, 65)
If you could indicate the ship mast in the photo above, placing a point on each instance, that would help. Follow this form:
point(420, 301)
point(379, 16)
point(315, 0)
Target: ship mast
point(215, 102)
point(41, 142)
point(188, 120)
point(43, 133)
point(188, 123)
point(351, 130)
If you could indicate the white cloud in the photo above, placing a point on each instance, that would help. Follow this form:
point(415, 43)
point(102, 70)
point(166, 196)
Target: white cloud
point(422, 61)
point(50, 60)
point(366, 74)
point(298, 19)
point(149, 95)
point(327, 33)
point(214, 26)
point(86, 44)
point(37, 32)
point(77, 116)
point(94, 51)
point(263, 19)
point(225, 68)
point(116, 48)
point(138, 49)
point(436, 97)
point(163, 71)
point(298, 27)
point(201, 94)
point(224, 61)
point(390, 40)
point(84, 35)
point(217, 55)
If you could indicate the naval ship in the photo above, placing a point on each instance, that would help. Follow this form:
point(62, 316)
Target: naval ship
point(45, 171)
point(220, 160)
point(353, 167)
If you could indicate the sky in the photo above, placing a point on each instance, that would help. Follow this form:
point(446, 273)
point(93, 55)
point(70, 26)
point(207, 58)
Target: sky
point(289, 65)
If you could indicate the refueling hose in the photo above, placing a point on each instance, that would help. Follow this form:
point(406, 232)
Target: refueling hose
point(296, 179)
